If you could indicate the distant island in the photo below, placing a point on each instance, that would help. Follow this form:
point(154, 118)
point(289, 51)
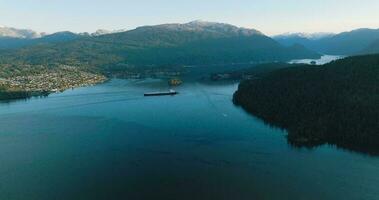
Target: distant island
point(335, 103)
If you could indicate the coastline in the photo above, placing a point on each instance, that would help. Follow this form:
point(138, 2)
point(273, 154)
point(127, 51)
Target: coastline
point(335, 103)
point(28, 87)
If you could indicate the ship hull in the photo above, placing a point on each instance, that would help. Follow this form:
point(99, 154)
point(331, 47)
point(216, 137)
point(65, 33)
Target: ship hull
point(161, 94)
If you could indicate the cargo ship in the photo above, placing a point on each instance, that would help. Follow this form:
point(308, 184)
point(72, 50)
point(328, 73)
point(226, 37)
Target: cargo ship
point(168, 93)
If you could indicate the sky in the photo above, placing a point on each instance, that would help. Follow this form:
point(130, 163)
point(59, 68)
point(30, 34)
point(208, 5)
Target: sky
point(268, 16)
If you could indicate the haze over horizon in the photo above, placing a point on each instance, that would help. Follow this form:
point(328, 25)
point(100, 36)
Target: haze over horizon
point(270, 17)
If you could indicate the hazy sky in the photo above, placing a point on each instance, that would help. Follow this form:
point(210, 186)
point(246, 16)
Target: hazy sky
point(268, 16)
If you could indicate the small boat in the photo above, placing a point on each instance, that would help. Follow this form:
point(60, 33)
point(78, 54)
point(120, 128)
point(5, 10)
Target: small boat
point(175, 82)
point(170, 92)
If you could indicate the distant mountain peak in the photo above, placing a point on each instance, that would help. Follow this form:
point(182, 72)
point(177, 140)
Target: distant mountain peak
point(18, 33)
point(61, 36)
point(205, 26)
point(100, 32)
point(310, 36)
point(363, 29)
point(204, 23)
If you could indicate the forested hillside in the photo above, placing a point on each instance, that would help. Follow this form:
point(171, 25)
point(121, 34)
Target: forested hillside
point(373, 48)
point(336, 103)
point(166, 45)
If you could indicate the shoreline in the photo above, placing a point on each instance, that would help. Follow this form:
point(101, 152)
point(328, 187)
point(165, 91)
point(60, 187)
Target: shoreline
point(330, 104)
point(11, 93)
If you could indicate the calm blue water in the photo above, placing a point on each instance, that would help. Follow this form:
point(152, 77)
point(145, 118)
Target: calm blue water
point(110, 142)
point(323, 60)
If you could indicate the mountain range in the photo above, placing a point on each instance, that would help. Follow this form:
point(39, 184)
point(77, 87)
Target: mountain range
point(355, 42)
point(13, 38)
point(173, 45)
point(17, 42)
point(308, 36)
point(167, 45)
point(359, 41)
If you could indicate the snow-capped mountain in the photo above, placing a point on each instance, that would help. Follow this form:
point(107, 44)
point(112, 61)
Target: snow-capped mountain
point(100, 32)
point(18, 33)
point(201, 26)
point(309, 36)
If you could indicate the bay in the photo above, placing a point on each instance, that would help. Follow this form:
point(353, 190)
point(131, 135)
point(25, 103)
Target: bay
point(110, 142)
